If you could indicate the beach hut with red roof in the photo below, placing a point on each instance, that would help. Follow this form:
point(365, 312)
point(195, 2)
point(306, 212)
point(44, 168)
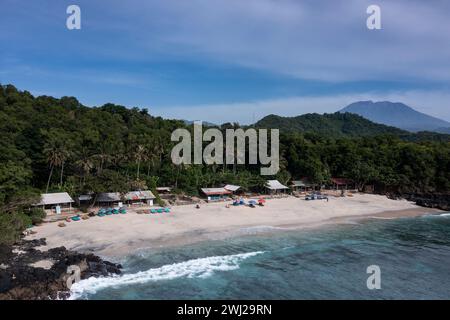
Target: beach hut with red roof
point(216, 194)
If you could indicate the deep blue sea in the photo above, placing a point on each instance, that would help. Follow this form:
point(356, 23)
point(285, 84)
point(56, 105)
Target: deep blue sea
point(413, 255)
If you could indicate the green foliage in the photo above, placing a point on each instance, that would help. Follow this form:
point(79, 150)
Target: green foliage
point(160, 202)
point(387, 162)
point(12, 225)
point(36, 215)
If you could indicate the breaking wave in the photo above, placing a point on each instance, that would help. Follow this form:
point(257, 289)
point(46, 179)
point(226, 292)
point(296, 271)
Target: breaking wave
point(437, 215)
point(196, 268)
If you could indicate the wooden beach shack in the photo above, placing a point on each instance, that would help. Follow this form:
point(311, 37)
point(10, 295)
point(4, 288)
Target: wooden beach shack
point(216, 194)
point(84, 199)
point(163, 190)
point(275, 187)
point(55, 203)
point(303, 184)
point(342, 184)
point(145, 197)
point(109, 199)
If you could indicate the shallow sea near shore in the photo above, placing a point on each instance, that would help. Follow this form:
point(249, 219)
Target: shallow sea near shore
point(413, 254)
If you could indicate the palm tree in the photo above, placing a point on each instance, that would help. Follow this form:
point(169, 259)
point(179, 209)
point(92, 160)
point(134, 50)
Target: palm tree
point(64, 155)
point(150, 157)
point(102, 158)
point(159, 150)
point(140, 154)
point(56, 156)
point(86, 164)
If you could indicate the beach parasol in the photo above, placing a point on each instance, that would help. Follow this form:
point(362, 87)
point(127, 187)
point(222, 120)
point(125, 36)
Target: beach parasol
point(261, 200)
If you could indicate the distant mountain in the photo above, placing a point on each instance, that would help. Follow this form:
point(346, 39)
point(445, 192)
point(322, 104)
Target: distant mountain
point(397, 115)
point(333, 125)
point(443, 130)
point(204, 123)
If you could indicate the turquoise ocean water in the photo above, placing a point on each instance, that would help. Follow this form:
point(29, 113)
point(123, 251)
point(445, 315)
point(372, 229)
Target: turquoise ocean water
point(329, 263)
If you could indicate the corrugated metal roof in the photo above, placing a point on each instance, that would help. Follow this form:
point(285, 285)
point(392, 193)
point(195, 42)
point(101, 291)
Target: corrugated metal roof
point(302, 183)
point(163, 189)
point(139, 195)
point(55, 198)
point(108, 197)
point(85, 197)
point(298, 183)
point(213, 191)
point(341, 181)
point(132, 195)
point(232, 187)
point(275, 185)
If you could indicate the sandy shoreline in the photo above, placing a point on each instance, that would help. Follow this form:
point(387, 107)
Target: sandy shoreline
point(117, 235)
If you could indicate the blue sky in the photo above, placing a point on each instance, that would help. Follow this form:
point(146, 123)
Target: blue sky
point(230, 60)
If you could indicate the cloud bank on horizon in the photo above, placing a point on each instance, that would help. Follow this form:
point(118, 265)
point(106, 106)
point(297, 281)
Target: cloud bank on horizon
point(231, 60)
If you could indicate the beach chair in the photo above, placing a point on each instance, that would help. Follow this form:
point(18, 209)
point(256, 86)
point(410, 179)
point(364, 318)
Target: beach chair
point(76, 218)
point(159, 210)
point(167, 210)
point(115, 211)
point(153, 211)
point(122, 211)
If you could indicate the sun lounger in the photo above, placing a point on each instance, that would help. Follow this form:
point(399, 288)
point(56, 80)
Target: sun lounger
point(152, 210)
point(167, 210)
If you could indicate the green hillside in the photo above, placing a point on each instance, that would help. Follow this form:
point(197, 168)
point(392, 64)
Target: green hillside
point(334, 125)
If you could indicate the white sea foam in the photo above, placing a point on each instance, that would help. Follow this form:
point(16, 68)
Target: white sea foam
point(196, 268)
point(437, 215)
point(260, 229)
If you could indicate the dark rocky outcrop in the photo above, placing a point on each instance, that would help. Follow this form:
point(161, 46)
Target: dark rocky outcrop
point(21, 279)
point(428, 200)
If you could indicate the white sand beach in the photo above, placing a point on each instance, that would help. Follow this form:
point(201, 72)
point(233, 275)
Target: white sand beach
point(118, 235)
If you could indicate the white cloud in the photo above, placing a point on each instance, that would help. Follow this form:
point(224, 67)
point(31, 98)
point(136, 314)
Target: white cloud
point(321, 40)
